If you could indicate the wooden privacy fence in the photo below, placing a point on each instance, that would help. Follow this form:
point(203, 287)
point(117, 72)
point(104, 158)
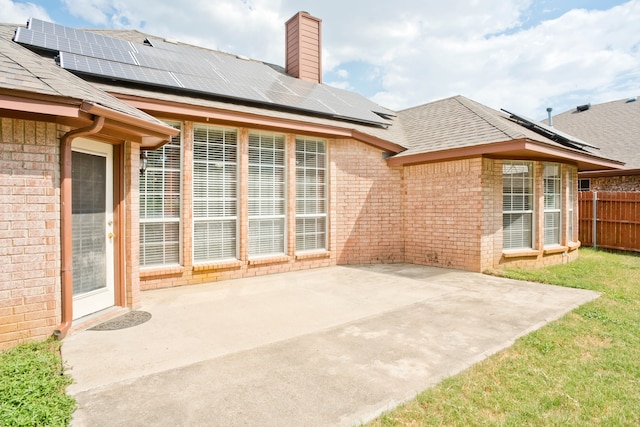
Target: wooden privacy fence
point(609, 219)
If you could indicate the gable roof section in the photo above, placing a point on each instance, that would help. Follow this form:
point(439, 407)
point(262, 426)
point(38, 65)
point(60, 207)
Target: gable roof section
point(459, 127)
point(612, 126)
point(34, 85)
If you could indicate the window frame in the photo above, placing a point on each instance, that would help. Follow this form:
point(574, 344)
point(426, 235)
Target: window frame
point(230, 183)
point(304, 201)
point(266, 203)
point(527, 204)
point(571, 182)
point(144, 220)
point(552, 208)
point(582, 187)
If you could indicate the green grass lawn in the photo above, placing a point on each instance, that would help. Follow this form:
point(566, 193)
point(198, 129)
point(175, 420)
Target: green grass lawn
point(32, 386)
point(581, 370)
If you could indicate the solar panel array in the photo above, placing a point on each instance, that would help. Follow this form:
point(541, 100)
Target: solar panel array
point(550, 132)
point(193, 69)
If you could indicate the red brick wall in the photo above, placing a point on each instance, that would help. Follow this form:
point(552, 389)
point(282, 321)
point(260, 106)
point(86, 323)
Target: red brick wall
point(443, 213)
point(29, 230)
point(365, 217)
point(366, 202)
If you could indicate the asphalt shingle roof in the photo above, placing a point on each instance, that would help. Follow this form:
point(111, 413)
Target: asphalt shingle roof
point(23, 70)
point(459, 122)
point(613, 126)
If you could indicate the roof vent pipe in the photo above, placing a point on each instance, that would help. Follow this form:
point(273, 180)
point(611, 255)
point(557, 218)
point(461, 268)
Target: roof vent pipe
point(549, 110)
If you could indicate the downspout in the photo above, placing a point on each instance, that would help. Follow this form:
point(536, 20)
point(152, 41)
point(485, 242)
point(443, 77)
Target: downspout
point(66, 269)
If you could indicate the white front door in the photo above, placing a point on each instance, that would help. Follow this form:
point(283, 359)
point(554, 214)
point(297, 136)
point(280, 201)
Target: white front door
point(92, 235)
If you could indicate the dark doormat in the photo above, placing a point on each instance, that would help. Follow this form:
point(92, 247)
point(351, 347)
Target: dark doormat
point(128, 320)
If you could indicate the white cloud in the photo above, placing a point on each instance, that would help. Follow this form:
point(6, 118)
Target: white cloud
point(342, 73)
point(19, 13)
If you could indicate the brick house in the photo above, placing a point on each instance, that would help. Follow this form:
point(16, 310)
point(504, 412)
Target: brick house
point(614, 127)
point(180, 179)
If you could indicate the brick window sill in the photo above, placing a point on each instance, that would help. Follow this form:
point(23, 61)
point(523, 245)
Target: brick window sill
point(521, 253)
point(270, 260)
point(147, 273)
point(312, 255)
point(574, 245)
point(222, 265)
point(555, 249)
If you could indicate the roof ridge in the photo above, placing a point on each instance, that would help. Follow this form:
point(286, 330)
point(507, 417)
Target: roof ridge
point(487, 118)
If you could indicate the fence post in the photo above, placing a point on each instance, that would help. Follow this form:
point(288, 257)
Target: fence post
point(595, 220)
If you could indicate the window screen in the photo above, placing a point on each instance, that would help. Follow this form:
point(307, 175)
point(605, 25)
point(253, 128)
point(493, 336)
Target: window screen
point(160, 198)
point(267, 194)
point(552, 203)
point(517, 204)
point(215, 183)
point(311, 194)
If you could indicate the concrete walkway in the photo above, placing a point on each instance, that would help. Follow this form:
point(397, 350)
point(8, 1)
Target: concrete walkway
point(333, 346)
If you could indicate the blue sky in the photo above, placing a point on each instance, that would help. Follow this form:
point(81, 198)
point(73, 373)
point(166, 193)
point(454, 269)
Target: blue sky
point(521, 55)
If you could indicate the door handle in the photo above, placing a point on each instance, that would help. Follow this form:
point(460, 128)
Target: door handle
point(110, 235)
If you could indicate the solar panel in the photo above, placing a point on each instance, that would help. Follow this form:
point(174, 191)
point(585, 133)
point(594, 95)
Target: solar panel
point(198, 70)
point(116, 70)
point(52, 29)
point(550, 132)
point(56, 43)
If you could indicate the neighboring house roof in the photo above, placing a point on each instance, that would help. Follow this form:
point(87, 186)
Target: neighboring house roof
point(613, 126)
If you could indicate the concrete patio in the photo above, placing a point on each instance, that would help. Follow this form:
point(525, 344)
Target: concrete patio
point(333, 346)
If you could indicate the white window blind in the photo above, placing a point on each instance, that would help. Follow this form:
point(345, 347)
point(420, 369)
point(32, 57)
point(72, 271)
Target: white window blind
point(571, 204)
point(517, 204)
point(267, 194)
point(311, 194)
point(215, 202)
point(552, 203)
point(160, 198)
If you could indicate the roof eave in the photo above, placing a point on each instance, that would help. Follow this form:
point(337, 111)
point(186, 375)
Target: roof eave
point(172, 109)
point(78, 113)
point(151, 135)
point(515, 149)
point(609, 173)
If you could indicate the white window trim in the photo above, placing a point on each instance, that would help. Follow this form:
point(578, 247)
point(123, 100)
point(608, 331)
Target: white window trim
point(180, 126)
point(257, 217)
point(235, 218)
point(530, 212)
point(557, 210)
point(571, 182)
point(325, 199)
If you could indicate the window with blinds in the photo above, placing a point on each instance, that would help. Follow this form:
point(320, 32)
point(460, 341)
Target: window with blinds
point(311, 194)
point(160, 197)
point(517, 204)
point(215, 193)
point(571, 204)
point(267, 194)
point(552, 203)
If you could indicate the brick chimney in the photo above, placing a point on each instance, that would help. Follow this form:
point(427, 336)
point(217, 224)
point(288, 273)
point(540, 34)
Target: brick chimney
point(303, 47)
